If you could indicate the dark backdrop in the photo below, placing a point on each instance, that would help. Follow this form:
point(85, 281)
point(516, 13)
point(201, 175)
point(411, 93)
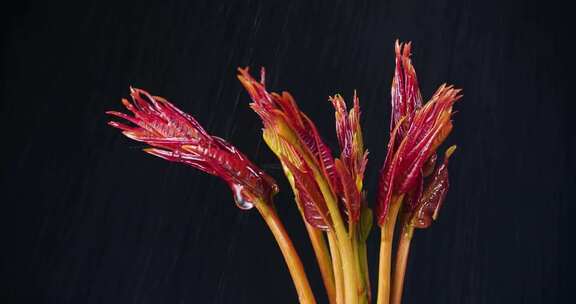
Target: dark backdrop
point(88, 218)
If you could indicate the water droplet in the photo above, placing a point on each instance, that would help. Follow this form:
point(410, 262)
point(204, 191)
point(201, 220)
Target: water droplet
point(241, 201)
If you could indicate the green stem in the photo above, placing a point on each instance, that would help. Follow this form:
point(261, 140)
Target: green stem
point(319, 246)
point(342, 236)
point(324, 261)
point(401, 262)
point(343, 239)
point(337, 264)
point(362, 291)
point(363, 252)
point(291, 257)
point(346, 254)
point(386, 238)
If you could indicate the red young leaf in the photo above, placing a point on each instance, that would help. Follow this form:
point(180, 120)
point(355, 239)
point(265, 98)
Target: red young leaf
point(353, 157)
point(351, 196)
point(421, 129)
point(386, 179)
point(177, 136)
point(413, 196)
point(432, 198)
point(343, 128)
point(422, 141)
point(324, 156)
point(406, 98)
point(309, 196)
point(274, 108)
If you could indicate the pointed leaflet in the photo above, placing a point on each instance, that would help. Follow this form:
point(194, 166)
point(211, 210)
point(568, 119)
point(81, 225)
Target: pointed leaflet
point(359, 155)
point(172, 121)
point(190, 159)
point(278, 111)
point(349, 134)
point(386, 179)
point(432, 198)
point(288, 105)
point(436, 112)
point(262, 102)
point(343, 129)
point(413, 98)
point(430, 127)
point(309, 195)
point(282, 148)
point(324, 157)
point(397, 90)
point(351, 195)
point(405, 92)
point(353, 158)
point(159, 123)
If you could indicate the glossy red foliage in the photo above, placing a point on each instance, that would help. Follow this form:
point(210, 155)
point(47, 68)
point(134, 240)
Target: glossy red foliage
point(295, 132)
point(353, 156)
point(430, 127)
point(426, 208)
point(405, 92)
point(309, 196)
point(298, 135)
point(386, 179)
point(351, 196)
point(177, 136)
point(275, 109)
point(417, 131)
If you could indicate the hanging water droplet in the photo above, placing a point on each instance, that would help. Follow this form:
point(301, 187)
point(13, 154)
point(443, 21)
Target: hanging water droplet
point(241, 201)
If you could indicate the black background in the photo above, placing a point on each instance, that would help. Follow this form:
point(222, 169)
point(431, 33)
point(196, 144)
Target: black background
point(88, 218)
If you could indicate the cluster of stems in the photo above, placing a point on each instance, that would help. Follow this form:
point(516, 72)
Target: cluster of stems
point(342, 259)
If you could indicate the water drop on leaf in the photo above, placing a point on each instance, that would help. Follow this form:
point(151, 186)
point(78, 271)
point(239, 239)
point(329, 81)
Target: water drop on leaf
point(241, 200)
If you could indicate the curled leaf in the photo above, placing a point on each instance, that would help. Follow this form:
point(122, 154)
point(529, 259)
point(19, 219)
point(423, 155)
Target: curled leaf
point(433, 196)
